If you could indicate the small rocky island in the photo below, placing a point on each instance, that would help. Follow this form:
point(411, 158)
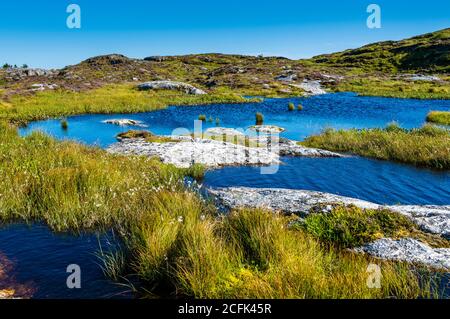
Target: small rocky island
point(216, 148)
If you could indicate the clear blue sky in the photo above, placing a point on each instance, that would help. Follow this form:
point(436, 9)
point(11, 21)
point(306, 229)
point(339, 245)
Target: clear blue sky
point(35, 32)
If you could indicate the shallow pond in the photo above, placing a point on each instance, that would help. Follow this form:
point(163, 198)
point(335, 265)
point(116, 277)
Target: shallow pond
point(43, 257)
point(343, 110)
point(39, 260)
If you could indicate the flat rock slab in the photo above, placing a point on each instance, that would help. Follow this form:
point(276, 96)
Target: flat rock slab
point(432, 219)
point(124, 122)
point(220, 131)
point(197, 151)
point(267, 129)
point(286, 201)
point(409, 250)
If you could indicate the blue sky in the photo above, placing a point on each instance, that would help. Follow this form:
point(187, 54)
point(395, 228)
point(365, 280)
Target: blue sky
point(35, 32)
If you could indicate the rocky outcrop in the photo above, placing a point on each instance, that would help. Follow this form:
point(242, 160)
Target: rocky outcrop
point(312, 87)
point(288, 201)
point(43, 87)
point(432, 219)
point(220, 131)
point(409, 250)
point(215, 152)
point(288, 147)
point(171, 85)
point(267, 129)
point(191, 151)
point(125, 122)
point(17, 74)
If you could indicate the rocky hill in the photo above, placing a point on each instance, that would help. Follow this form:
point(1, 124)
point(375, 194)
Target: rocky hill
point(425, 53)
point(252, 75)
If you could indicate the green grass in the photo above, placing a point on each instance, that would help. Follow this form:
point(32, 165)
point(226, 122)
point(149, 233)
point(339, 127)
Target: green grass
point(202, 117)
point(116, 98)
point(352, 227)
point(439, 117)
point(379, 86)
point(174, 241)
point(291, 106)
point(428, 146)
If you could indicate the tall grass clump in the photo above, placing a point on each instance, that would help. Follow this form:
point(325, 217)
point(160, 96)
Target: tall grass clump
point(428, 146)
point(439, 117)
point(202, 117)
point(299, 107)
point(291, 106)
point(259, 118)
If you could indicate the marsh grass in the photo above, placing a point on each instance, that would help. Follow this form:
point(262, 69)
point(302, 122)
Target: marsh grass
point(439, 117)
point(428, 146)
point(117, 98)
point(376, 86)
point(173, 240)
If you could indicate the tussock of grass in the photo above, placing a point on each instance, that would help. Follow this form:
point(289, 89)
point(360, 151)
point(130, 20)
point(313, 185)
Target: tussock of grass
point(259, 118)
point(439, 117)
point(428, 146)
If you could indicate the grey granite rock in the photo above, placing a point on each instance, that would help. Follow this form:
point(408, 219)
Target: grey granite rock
point(171, 85)
point(432, 219)
point(409, 250)
point(125, 122)
point(286, 201)
point(197, 151)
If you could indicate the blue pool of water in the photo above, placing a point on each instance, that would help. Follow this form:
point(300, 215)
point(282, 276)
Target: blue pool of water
point(40, 259)
point(377, 181)
point(343, 110)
